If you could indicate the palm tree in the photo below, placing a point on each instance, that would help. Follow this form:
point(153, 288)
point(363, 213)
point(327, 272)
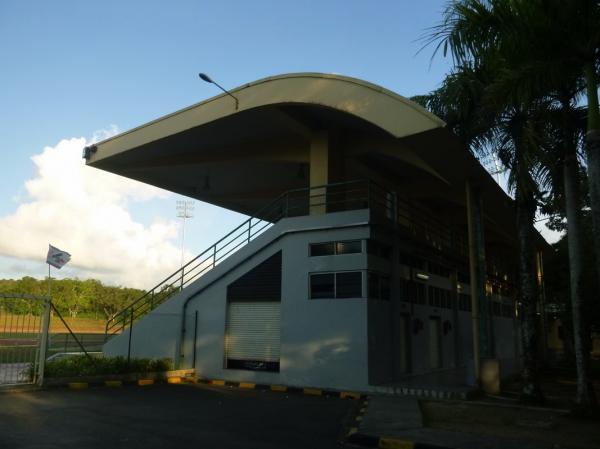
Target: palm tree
point(469, 104)
point(526, 33)
point(568, 128)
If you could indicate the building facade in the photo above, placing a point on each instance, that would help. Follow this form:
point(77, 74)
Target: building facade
point(378, 251)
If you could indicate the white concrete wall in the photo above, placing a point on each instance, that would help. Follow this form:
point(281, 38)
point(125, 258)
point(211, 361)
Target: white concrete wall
point(323, 342)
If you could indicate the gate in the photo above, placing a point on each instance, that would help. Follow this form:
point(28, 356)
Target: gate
point(24, 323)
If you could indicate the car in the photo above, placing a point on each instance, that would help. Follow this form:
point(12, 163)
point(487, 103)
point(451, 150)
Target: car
point(64, 355)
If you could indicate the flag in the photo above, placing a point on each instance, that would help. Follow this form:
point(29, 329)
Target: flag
point(56, 257)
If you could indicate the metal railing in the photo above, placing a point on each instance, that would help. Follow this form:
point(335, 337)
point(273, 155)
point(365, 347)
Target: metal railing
point(293, 203)
point(336, 197)
point(21, 318)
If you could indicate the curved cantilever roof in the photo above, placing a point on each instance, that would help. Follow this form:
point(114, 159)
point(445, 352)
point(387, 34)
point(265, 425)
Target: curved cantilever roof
point(241, 158)
point(381, 107)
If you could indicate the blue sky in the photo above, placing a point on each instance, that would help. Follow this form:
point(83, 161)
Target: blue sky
point(72, 68)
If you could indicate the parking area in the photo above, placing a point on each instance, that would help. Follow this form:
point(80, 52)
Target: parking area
point(165, 416)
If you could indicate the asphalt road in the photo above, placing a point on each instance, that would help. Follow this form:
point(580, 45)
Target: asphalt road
point(166, 416)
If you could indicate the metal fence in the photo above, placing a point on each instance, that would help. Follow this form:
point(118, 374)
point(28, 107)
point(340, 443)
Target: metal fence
point(21, 337)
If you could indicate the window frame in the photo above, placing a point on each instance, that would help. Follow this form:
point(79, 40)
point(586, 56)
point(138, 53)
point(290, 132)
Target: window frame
point(335, 286)
point(335, 243)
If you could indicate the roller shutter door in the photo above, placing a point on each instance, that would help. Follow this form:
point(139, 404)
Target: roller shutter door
point(252, 339)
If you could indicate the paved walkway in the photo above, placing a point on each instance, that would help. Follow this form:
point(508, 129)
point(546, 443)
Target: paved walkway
point(400, 418)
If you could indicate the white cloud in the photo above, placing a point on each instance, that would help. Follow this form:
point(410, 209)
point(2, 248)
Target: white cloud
point(85, 211)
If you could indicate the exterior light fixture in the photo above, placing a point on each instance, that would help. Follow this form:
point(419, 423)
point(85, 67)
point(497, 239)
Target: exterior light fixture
point(422, 276)
point(88, 151)
point(208, 79)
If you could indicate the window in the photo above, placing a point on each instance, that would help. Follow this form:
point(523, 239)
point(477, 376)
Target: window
point(439, 270)
point(411, 291)
point(347, 284)
point(507, 310)
point(496, 308)
point(322, 249)
point(464, 278)
point(412, 261)
point(348, 247)
point(379, 249)
point(322, 286)
point(440, 297)
point(379, 286)
point(335, 248)
point(464, 302)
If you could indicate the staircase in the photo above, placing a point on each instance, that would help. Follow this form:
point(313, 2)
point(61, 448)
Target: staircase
point(293, 203)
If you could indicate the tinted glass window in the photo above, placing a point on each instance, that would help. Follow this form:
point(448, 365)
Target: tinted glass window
point(348, 247)
point(385, 287)
point(419, 293)
point(322, 286)
point(321, 249)
point(349, 285)
point(373, 284)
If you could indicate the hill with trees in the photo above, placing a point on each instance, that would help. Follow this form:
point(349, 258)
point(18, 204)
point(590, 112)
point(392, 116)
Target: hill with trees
point(74, 297)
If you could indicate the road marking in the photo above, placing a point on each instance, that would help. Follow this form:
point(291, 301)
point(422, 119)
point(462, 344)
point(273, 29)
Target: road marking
point(393, 443)
point(247, 385)
point(313, 391)
point(349, 395)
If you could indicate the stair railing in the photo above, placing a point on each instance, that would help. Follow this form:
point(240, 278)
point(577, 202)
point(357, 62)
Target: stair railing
point(335, 197)
point(293, 203)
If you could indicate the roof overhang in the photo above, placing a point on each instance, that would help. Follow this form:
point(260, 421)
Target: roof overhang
point(241, 158)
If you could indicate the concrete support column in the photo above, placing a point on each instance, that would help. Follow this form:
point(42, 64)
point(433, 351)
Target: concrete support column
point(319, 172)
point(326, 167)
point(479, 303)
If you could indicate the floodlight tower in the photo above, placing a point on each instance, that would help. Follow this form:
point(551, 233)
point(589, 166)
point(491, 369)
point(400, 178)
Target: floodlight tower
point(185, 210)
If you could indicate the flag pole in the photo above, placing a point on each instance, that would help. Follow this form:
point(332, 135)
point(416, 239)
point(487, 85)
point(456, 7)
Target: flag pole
point(49, 284)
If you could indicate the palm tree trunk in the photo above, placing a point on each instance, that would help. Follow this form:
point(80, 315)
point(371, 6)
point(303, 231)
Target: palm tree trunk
point(526, 206)
point(586, 398)
point(592, 141)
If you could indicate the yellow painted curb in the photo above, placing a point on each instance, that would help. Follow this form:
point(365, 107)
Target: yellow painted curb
point(278, 388)
point(313, 391)
point(393, 443)
point(145, 382)
point(247, 385)
point(78, 385)
point(113, 383)
point(349, 395)
point(217, 382)
point(173, 380)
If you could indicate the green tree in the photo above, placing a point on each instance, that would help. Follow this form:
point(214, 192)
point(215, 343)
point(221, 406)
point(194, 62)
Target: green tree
point(490, 122)
point(540, 59)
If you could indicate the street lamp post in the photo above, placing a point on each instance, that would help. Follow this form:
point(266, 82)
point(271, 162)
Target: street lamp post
point(208, 79)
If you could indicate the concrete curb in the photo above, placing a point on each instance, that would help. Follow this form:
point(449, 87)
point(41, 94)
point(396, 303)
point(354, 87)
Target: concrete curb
point(283, 388)
point(355, 437)
point(361, 439)
point(111, 380)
